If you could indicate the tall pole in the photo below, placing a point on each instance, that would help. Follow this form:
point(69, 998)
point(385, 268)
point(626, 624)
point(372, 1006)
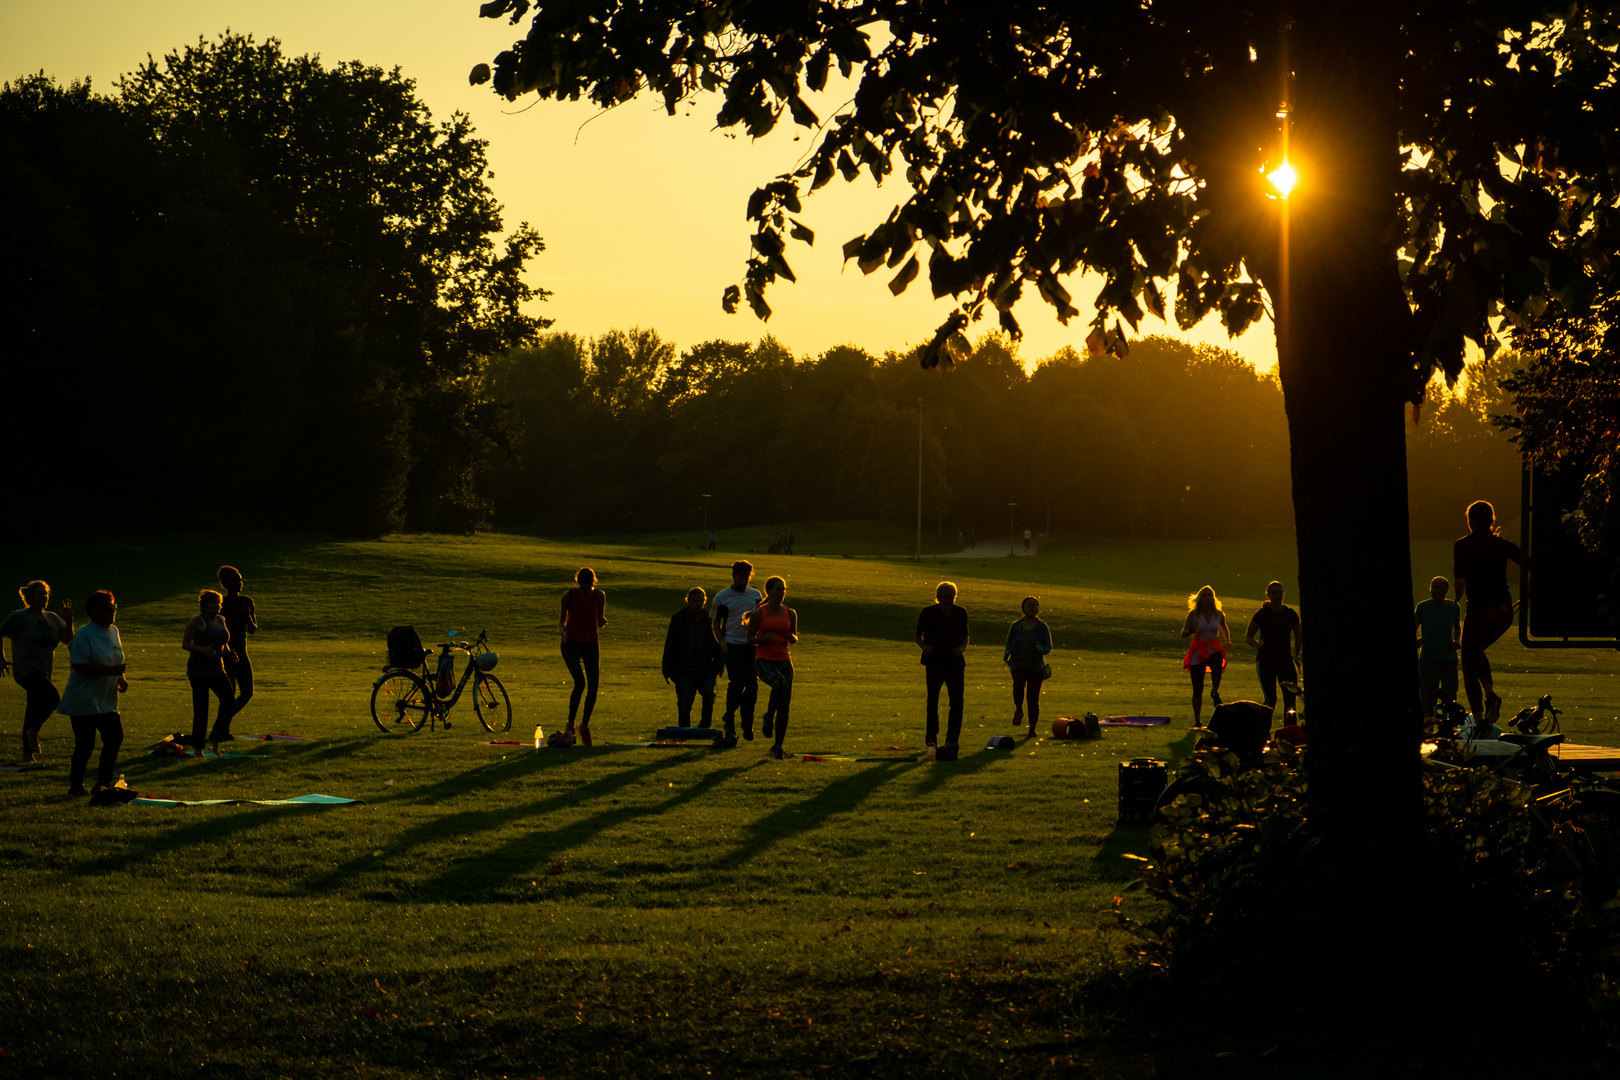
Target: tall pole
point(1012, 528)
point(705, 499)
point(918, 556)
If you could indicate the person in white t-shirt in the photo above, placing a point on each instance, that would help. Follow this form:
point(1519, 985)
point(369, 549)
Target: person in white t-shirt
point(90, 700)
point(731, 609)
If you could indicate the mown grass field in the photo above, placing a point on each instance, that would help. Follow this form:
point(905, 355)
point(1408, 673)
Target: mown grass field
point(619, 910)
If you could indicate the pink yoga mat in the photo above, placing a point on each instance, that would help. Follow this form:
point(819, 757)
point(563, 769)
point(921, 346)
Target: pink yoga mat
point(1134, 721)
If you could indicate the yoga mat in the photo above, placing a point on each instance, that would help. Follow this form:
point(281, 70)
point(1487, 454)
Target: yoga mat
point(1133, 721)
point(302, 800)
point(274, 736)
point(18, 766)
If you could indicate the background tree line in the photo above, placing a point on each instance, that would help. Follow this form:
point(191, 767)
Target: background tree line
point(623, 433)
point(264, 289)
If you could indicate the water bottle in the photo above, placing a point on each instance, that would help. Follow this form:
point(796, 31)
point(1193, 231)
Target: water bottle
point(539, 737)
point(121, 781)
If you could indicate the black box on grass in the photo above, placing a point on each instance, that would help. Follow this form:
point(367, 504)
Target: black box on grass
point(1141, 782)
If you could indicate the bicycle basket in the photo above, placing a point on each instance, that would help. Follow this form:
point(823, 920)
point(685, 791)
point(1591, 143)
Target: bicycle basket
point(486, 661)
point(405, 647)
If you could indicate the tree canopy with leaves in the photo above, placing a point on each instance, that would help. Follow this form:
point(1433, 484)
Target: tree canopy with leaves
point(1457, 175)
point(301, 247)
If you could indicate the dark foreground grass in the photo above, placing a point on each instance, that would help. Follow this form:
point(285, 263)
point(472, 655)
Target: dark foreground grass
point(622, 910)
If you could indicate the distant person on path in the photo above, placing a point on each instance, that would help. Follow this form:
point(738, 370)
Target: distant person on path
point(1211, 641)
point(208, 641)
point(35, 633)
point(771, 631)
point(731, 609)
point(692, 658)
point(1027, 537)
point(90, 699)
point(241, 619)
point(942, 634)
point(1028, 642)
point(1479, 567)
point(1439, 628)
point(584, 612)
point(1274, 627)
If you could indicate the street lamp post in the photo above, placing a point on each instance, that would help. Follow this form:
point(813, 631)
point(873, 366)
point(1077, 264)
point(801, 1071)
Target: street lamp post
point(918, 556)
point(1012, 528)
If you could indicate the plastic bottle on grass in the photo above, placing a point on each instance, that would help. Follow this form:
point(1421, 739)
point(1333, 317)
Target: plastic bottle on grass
point(539, 737)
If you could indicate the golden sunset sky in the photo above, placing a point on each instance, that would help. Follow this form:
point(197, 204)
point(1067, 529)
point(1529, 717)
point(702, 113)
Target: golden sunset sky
point(642, 214)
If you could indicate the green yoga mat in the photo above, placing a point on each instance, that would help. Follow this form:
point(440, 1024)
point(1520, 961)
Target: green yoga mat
point(302, 800)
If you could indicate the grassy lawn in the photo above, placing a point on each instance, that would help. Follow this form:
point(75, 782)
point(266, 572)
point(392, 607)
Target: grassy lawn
point(622, 910)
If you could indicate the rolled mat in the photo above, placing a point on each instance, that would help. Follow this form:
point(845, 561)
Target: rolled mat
point(1133, 721)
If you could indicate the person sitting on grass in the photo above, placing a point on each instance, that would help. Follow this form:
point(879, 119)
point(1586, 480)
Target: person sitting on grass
point(771, 631)
point(692, 658)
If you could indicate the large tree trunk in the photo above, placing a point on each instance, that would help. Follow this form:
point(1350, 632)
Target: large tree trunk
point(1345, 364)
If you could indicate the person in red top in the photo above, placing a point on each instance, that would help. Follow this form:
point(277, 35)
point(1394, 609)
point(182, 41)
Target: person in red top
point(583, 613)
point(775, 627)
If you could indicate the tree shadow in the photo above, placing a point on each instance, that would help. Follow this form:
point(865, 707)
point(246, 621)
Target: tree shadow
point(943, 772)
point(482, 874)
point(483, 820)
point(839, 797)
point(244, 819)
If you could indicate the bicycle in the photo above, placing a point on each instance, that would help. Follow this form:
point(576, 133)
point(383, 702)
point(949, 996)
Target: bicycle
point(403, 699)
point(1579, 813)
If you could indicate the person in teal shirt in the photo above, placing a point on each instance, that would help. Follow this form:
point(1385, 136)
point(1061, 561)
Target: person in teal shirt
point(1439, 626)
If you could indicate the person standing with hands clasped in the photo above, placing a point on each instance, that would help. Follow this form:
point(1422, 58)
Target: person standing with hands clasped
point(1028, 642)
point(731, 609)
point(942, 634)
point(35, 633)
point(771, 631)
point(90, 701)
point(692, 658)
point(1274, 627)
point(584, 612)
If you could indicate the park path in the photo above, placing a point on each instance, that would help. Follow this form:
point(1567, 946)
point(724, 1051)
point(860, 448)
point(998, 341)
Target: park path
point(996, 549)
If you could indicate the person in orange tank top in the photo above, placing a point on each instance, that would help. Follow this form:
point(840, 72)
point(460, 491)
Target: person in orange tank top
point(772, 630)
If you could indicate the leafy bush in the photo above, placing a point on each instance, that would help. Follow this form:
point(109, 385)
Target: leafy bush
point(1253, 895)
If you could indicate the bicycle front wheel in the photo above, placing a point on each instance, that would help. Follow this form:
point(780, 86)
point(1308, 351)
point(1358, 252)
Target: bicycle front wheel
point(490, 702)
point(401, 703)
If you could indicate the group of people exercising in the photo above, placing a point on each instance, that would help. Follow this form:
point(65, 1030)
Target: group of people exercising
point(217, 663)
point(749, 635)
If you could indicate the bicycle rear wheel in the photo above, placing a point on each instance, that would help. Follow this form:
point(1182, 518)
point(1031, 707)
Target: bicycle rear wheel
point(401, 703)
point(490, 702)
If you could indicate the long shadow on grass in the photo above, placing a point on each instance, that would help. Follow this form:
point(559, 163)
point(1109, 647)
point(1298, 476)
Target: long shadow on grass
point(483, 820)
point(943, 772)
point(480, 876)
point(499, 772)
point(188, 769)
point(841, 796)
point(1110, 864)
point(242, 819)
